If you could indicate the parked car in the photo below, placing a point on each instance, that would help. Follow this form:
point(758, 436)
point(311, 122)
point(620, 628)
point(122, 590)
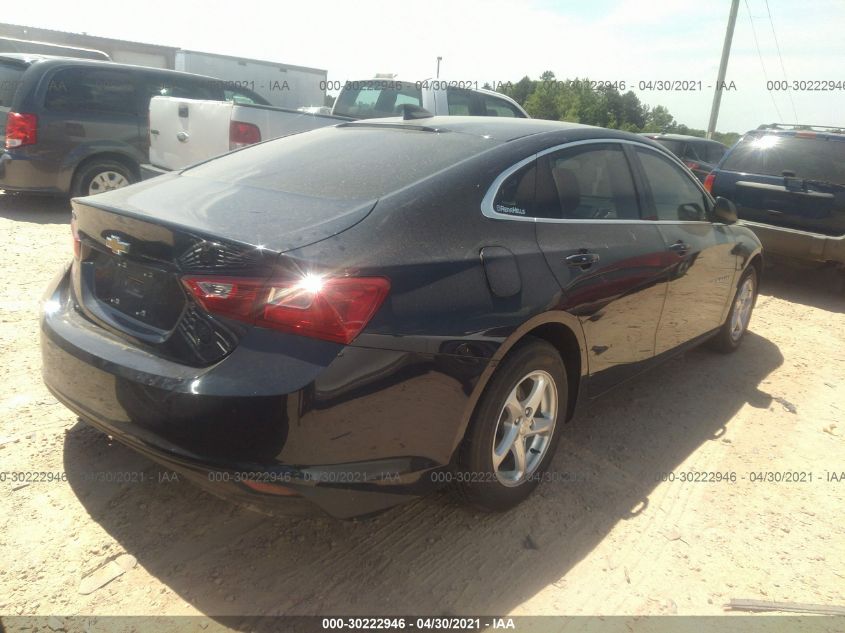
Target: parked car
point(353, 316)
point(699, 154)
point(188, 131)
point(183, 132)
point(14, 45)
point(377, 98)
point(788, 183)
point(79, 127)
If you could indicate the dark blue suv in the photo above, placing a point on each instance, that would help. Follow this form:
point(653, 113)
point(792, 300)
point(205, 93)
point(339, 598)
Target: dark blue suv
point(788, 184)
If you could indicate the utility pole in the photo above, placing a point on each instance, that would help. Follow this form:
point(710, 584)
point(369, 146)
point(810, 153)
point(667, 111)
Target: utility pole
point(723, 67)
point(438, 66)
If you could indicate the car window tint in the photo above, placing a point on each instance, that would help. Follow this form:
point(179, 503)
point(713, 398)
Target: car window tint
point(373, 99)
point(493, 106)
point(463, 102)
point(516, 195)
point(236, 97)
point(813, 158)
point(91, 90)
point(185, 88)
point(715, 153)
point(676, 147)
point(10, 79)
point(695, 151)
point(674, 194)
point(350, 162)
point(587, 182)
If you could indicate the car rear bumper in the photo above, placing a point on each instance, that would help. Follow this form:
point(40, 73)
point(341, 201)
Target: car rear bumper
point(352, 433)
point(24, 172)
point(796, 244)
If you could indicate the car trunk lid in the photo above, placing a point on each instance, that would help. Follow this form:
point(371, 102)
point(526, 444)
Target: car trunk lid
point(136, 245)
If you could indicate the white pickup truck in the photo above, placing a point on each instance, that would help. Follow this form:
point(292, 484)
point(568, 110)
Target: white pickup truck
point(187, 131)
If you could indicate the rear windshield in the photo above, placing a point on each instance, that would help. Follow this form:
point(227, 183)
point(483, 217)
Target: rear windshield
point(819, 158)
point(372, 99)
point(10, 79)
point(676, 147)
point(343, 163)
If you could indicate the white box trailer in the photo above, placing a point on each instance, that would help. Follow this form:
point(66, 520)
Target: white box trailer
point(282, 85)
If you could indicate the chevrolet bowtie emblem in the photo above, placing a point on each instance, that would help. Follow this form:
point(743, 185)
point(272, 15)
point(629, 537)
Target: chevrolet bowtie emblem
point(117, 245)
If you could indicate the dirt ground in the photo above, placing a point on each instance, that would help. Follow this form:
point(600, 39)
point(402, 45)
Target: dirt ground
point(618, 540)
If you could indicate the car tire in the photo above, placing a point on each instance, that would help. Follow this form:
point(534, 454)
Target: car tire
point(101, 175)
point(502, 421)
point(734, 328)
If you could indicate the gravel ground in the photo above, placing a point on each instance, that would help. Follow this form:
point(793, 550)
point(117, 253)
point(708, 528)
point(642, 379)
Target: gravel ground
point(617, 541)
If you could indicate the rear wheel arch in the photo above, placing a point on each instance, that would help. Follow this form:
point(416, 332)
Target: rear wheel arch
point(103, 157)
point(757, 262)
point(563, 331)
point(567, 345)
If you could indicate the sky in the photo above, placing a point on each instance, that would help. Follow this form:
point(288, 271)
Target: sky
point(498, 41)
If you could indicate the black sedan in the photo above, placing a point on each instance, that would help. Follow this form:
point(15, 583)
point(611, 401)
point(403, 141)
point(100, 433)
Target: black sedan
point(699, 154)
point(353, 316)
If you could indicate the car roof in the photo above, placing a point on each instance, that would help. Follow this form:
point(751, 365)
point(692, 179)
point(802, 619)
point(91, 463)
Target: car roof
point(678, 137)
point(50, 61)
point(499, 128)
point(834, 133)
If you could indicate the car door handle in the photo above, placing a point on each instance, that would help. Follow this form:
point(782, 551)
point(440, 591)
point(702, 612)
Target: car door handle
point(679, 247)
point(582, 260)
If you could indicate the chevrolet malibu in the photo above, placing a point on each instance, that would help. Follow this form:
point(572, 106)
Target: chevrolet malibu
point(350, 317)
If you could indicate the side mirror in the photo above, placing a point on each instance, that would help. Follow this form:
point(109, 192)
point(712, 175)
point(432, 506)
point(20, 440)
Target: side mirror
point(724, 211)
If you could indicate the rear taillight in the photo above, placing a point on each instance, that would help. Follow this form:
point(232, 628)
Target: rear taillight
point(691, 164)
point(243, 134)
point(77, 245)
point(709, 180)
point(21, 129)
point(329, 308)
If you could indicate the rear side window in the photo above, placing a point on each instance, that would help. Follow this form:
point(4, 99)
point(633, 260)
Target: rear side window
point(516, 195)
point(91, 90)
point(674, 195)
point(349, 162)
point(373, 99)
point(587, 182)
point(815, 158)
point(10, 79)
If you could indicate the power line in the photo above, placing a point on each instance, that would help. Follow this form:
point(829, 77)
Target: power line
point(780, 57)
point(762, 64)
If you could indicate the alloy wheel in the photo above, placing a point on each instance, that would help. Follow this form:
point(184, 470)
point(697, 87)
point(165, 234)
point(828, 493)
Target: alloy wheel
point(106, 181)
point(525, 428)
point(743, 304)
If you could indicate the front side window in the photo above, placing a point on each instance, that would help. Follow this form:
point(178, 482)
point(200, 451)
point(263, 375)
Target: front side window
point(587, 182)
point(674, 195)
point(91, 90)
